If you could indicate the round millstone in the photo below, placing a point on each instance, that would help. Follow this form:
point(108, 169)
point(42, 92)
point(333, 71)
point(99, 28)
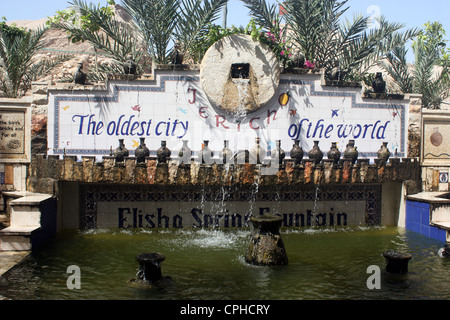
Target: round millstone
point(239, 75)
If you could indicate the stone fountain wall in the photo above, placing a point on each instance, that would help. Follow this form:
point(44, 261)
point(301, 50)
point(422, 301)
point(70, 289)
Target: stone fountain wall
point(46, 171)
point(180, 104)
point(108, 194)
point(436, 150)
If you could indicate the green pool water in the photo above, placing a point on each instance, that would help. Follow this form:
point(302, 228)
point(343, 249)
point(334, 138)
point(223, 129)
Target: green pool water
point(324, 264)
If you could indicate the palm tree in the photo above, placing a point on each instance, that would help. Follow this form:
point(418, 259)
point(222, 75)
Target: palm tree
point(195, 17)
point(19, 65)
point(315, 27)
point(396, 66)
point(155, 27)
point(154, 22)
point(99, 26)
point(427, 76)
point(267, 17)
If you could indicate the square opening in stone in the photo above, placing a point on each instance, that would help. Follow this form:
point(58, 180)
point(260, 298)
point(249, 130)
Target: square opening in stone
point(240, 71)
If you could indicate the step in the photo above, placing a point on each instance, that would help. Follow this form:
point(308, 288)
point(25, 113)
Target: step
point(26, 211)
point(32, 221)
point(9, 196)
point(442, 224)
point(27, 215)
point(17, 238)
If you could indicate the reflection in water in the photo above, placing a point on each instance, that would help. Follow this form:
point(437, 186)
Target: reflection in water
point(326, 263)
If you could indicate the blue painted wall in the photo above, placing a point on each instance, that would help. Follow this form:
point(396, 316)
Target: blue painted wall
point(418, 220)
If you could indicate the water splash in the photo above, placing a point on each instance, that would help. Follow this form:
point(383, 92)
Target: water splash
point(255, 190)
point(242, 88)
point(209, 238)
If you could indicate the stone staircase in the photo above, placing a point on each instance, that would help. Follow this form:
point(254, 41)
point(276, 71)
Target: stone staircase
point(32, 220)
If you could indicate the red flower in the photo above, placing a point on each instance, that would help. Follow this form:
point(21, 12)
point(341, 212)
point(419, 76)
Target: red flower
point(309, 64)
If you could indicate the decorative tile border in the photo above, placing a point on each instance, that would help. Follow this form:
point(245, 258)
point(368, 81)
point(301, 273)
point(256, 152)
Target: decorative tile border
point(91, 194)
point(106, 98)
point(398, 107)
point(160, 86)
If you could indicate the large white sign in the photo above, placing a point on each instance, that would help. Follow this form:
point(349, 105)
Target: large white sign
point(174, 107)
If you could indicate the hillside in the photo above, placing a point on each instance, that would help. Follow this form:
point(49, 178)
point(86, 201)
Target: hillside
point(56, 43)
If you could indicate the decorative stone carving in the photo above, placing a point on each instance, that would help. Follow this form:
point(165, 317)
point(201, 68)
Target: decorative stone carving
point(121, 151)
point(297, 152)
point(315, 153)
point(334, 153)
point(141, 151)
point(436, 138)
point(163, 153)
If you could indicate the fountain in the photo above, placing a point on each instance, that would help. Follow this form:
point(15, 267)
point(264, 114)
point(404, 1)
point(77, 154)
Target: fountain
point(150, 270)
point(183, 205)
point(250, 78)
point(266, 246)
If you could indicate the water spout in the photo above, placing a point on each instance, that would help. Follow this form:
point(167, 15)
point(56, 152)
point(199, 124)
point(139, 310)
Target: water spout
point(150, 269)
point(266, 247)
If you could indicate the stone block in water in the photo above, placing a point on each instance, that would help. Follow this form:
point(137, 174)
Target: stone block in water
point(397, 262)
point(266, 247)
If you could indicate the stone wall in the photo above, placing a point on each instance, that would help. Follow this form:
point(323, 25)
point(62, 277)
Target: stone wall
point(45, 171)
point(414, 125)
point(15, 118)
point(435, 154)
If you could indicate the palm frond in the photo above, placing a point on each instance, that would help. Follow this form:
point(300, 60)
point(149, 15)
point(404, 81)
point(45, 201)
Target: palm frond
point(365, 50)
point(156, 21)
point(304, 20)
point(396, 66)
point(17, 54)
point(433, 85)
point(331, 12)
point(115, 38)
point(195, 17)
point(265, 15)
